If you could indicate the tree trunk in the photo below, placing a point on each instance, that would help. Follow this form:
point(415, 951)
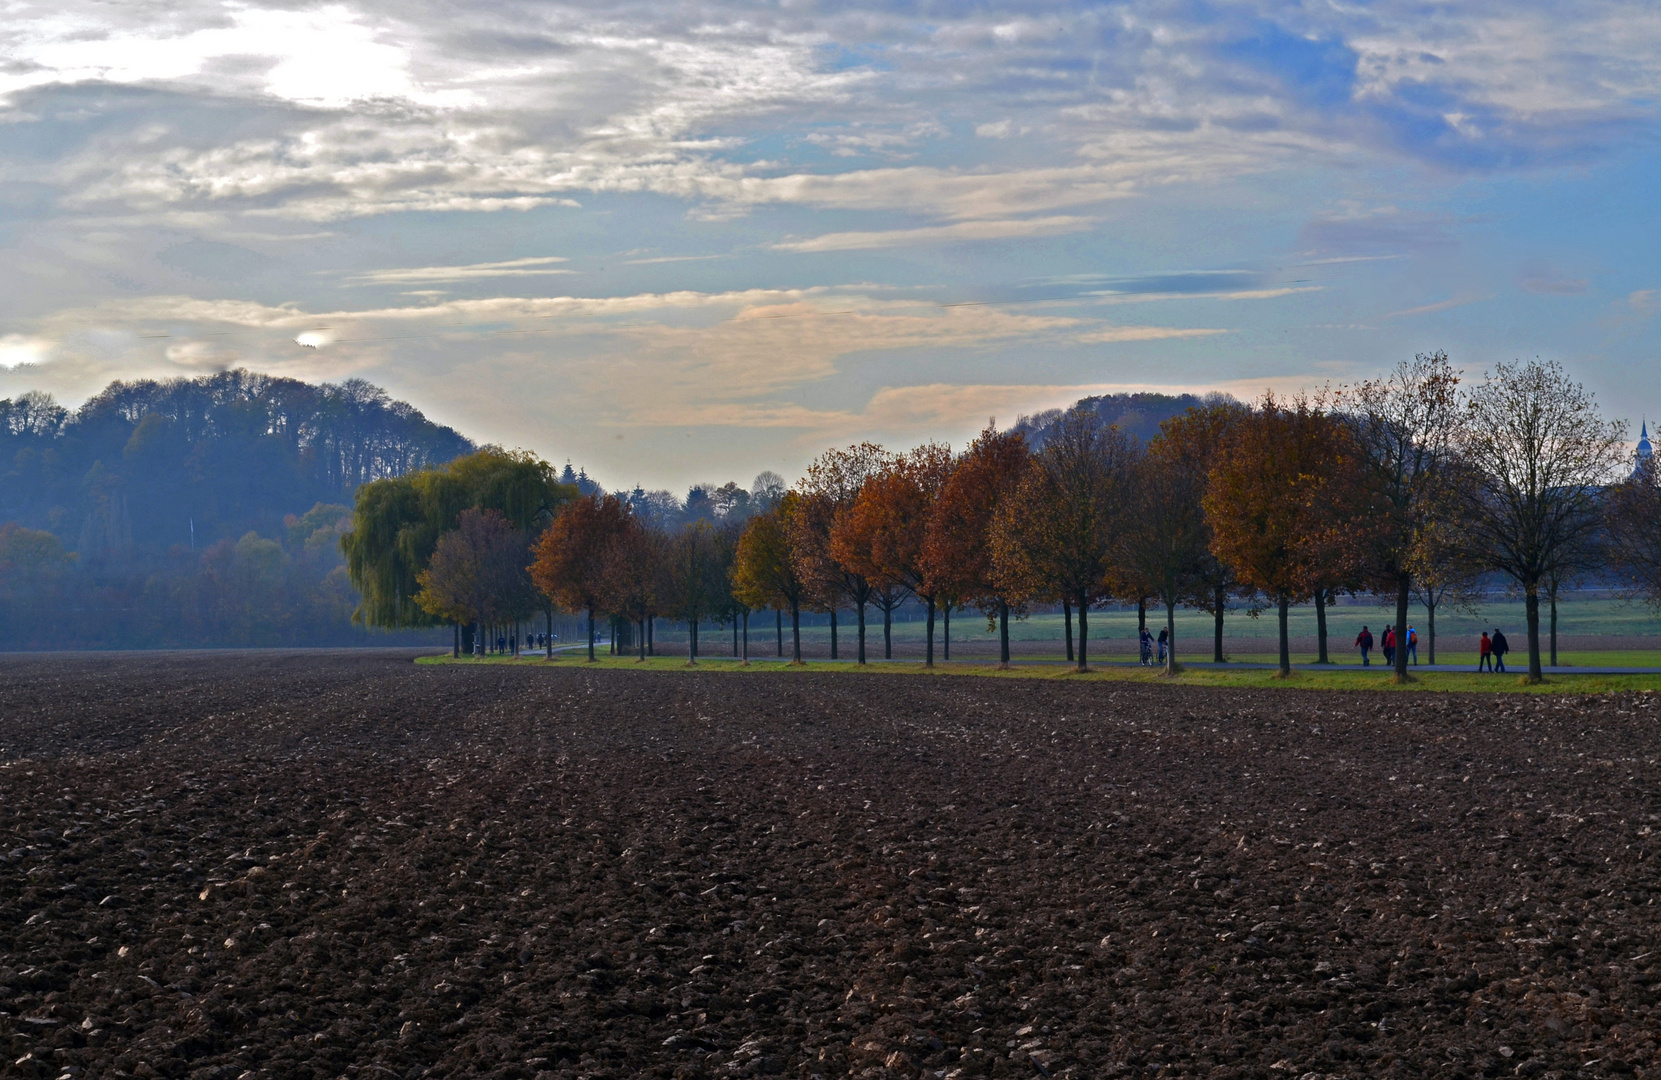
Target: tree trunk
point(1003, 635)
point(833, 633)
point(1067, 627)
point(1531, 603)
point(1285, 642)
point(1320, 627)
point(1430, 627)
point(928, 653)
point(860, 616)
point(1171, 637)
point(692, 640)
point(1552, 595)
point(1217, 628)
point(1083, 633)
point(591, 633)
point(946, 635)
point(1141, 617)
point(651, 636)
point(1402, 598)
point(796, 631)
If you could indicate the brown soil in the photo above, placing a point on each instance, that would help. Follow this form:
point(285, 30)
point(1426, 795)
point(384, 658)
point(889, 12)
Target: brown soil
point(347, 865)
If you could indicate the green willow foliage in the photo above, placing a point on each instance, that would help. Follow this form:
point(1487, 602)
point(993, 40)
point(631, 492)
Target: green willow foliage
point(397, 522)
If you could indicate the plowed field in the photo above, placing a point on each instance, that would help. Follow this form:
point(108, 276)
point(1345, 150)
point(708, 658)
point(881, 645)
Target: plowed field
point(337, 864)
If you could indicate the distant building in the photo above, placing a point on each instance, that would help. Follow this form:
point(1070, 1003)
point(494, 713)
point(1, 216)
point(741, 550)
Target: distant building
point(1644, 450)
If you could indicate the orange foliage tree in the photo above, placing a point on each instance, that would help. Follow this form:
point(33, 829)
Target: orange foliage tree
point(828, 492)
point(1054, 538)
point(883, 536)
point(958, 548)
point(632, 576)
point(1283, 499)
point(571, 555)
point(764, 571)
point(1191, 443)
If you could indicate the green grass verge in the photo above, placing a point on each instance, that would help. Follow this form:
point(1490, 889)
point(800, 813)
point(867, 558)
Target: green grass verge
point(1343, 678)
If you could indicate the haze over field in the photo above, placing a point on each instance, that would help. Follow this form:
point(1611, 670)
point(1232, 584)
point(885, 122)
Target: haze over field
point(680, 242)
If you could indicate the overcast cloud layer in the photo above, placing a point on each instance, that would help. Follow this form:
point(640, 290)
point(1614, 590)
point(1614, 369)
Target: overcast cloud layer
point(678, 242)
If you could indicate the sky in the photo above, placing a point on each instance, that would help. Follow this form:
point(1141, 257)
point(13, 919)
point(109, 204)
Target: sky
point(678, 243)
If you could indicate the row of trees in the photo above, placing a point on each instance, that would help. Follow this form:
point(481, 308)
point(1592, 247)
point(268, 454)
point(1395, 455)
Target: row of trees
point(1409, 486)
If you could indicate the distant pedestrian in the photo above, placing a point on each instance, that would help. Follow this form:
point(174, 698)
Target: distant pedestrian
point(1413, 645)
point(1364, 642)
point(1145, 644)
point(1390, 646)
point(1486, 655)
point(1164, 643)
point(1501, 647)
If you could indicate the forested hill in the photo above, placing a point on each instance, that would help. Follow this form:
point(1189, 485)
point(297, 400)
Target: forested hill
point(146, 467)
point(1135, 414)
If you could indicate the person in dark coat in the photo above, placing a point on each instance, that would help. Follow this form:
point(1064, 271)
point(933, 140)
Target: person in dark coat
point(1364, 642)
point(1501, 647)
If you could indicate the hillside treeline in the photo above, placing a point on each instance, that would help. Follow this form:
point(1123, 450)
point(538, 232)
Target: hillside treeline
point(204, 511)
point(1411, 487)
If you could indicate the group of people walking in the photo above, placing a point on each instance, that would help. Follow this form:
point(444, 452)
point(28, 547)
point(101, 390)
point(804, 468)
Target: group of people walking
point(1492, 649)
point(1364, 642)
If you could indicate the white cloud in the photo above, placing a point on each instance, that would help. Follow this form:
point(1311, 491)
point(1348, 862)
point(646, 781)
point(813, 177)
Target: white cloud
point(421, 275)
point(940, 234)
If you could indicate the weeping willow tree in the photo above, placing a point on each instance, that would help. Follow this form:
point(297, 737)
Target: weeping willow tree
point(397, 523)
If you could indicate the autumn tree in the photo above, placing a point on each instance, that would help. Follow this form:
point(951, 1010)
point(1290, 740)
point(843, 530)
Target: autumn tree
point(1268, 500)
point(631, 575)
point(1404, 428)
point(570, 563)
point(959, 541)
point(477, 573)
point(1165, 545)
point(764, 571)
point(697, 578)
point(828, 492)
point(883, 536)
point(1192, 442)
point(1055, 536)
point(1542, 456)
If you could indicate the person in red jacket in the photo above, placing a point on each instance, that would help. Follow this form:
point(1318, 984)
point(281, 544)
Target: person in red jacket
point(1364, 642)
point(1390, 646)
point(1487, 648)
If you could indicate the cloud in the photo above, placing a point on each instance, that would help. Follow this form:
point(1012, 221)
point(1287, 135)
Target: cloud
point(422, 275)
point(940, 234)
point(1440, 305)
point(1553, 285)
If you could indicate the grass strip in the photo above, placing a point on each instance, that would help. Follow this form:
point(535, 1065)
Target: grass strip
point(1342, 678)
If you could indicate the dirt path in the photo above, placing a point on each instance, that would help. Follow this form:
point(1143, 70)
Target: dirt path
point(337, 864)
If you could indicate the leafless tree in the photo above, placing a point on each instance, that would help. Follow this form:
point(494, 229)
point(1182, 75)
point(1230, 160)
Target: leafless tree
point(1542, 455)
point(1405, 425)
